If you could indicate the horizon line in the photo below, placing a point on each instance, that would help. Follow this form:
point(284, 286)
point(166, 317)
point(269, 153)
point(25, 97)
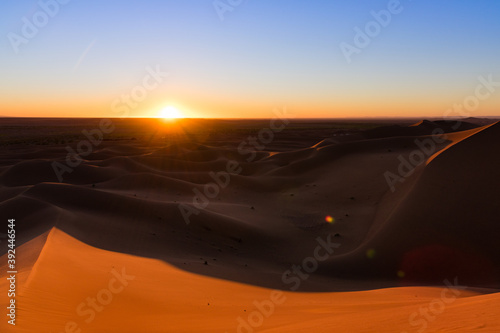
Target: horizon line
point(255, 118)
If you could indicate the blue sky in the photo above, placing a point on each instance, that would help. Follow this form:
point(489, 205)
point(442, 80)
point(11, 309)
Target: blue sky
point(264, 54)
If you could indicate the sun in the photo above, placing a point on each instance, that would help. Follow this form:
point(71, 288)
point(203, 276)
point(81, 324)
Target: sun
point(170, 113)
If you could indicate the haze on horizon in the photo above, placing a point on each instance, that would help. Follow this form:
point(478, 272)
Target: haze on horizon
point(83, 58)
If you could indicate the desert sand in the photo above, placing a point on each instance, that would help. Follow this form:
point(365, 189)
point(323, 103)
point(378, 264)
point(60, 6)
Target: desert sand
point(306, 233)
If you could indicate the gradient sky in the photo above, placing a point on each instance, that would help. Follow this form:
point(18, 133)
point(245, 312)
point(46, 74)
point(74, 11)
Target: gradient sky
point(265, 54)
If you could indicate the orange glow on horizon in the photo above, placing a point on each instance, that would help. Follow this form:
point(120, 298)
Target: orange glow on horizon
point(183, 107)
point(170, 113)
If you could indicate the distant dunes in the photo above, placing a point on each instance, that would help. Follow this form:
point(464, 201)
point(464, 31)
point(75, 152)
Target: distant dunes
point(120, 207)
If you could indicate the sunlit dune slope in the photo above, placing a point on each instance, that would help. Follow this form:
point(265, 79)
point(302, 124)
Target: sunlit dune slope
point(133, 294)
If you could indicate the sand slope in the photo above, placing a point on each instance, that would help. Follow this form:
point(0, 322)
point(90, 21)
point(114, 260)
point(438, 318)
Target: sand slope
point(120, 208)
point(447, 223)
point(157, 297)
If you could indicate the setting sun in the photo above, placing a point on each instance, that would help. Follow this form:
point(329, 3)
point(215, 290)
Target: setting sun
point(170, 112)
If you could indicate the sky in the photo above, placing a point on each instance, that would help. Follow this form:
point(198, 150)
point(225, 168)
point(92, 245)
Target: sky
point(246, 58)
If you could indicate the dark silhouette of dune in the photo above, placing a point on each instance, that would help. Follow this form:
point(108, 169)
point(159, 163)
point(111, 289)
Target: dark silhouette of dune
point(125, 197)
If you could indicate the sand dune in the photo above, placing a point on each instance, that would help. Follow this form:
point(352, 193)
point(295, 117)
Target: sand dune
point(120, 208)
point(156, 297)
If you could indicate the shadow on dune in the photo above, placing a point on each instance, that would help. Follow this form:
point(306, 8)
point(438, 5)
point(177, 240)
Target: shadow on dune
point(440, 223)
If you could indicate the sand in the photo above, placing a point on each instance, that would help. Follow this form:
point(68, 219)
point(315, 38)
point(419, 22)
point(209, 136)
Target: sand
point(421, 255)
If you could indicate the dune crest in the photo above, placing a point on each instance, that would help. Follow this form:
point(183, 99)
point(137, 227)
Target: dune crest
point(161, 291)
point(315, 223)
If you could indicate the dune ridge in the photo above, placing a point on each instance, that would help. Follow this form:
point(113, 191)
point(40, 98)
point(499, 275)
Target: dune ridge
point(439, 223)
point(154, 298)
